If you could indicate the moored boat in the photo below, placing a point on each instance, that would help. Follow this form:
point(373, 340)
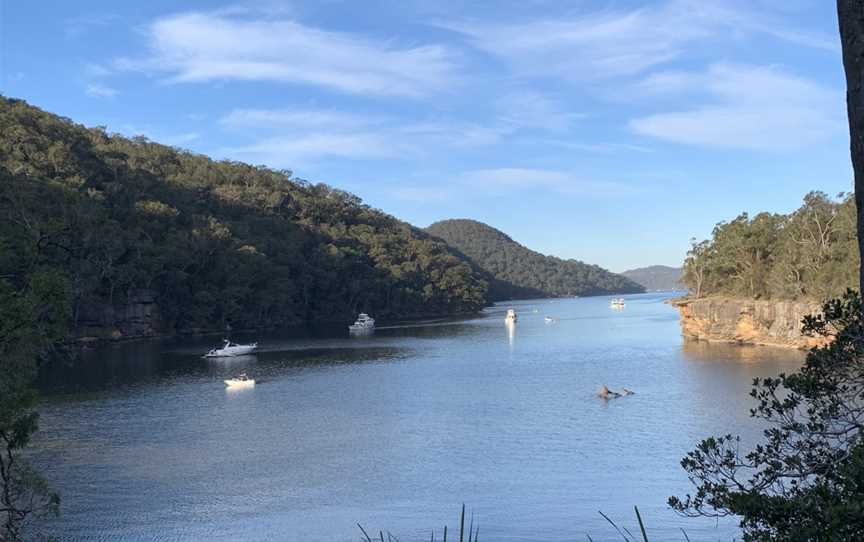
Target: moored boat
point(230, 350)
point(511, 316)
point(240, 381)
point(364, 323)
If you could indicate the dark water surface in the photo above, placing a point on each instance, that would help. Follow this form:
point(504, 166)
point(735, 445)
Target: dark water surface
point(395, 431)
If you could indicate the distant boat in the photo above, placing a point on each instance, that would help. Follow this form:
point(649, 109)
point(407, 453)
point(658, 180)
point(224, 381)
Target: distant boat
point(549, 319)
point(230, 350)
point(241, 381)
point(511, 316)
point(617, 303)
point(363, 323)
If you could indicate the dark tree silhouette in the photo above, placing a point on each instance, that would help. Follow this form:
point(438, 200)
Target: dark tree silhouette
point(850, 15)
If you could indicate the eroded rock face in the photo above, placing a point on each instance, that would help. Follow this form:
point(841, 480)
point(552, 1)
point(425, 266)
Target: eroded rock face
point(136, 318)
point(771, 323)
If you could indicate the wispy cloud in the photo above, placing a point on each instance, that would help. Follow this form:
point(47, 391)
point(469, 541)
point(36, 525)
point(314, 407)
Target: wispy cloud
point(289, 136)
point(95, 90)
point(532, 109)
point(288, 151)
point(227, 45)
point(750, 107)
point(298, 118)
point(610, 43)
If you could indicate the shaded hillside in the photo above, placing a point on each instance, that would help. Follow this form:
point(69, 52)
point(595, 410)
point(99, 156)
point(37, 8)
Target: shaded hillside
point(656, 277)
point(144, 232)
point(518, 272)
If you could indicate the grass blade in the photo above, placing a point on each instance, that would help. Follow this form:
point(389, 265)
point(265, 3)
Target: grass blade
point(641, 525)
point(364, 533)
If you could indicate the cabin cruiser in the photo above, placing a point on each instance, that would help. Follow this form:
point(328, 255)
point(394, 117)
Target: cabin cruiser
point(617, 303)
point(511, 316)
point(240, 381)
point(230, 349)
point(364, 323)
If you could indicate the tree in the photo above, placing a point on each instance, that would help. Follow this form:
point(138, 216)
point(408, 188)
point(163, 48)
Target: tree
point(850, 15)
point(805, 481)
point(695, 273)
point(32, 318)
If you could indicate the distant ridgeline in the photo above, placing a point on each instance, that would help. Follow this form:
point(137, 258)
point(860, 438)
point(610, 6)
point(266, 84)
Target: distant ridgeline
point(152, 239)
point(516, 272)
point(810, 254)
point(656, 277)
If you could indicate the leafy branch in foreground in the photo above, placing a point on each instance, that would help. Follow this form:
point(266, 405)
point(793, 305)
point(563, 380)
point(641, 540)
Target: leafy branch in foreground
point(805, 480)
point(32, 315)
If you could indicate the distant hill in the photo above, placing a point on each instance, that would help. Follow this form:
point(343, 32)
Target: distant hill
point(656, 277)
point(515, 271)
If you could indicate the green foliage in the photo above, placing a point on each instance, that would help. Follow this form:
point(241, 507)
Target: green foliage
point(517, 272)
point(33, 313)
point(809, 254)
point(805, 481)
point(215, 243)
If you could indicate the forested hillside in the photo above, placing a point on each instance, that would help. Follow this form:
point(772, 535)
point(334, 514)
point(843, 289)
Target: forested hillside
point(810, 254)
point(518, 272)
point(211, 243)
point(656, 277)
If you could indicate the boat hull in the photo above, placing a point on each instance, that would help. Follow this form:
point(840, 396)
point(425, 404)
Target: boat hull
point(238, 384)
point(231, 352)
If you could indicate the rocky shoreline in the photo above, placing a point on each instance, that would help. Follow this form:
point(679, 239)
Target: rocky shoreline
point(747, 321)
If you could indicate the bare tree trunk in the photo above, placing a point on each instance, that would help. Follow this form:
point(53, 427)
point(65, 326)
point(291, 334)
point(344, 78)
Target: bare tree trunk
point(850, 14)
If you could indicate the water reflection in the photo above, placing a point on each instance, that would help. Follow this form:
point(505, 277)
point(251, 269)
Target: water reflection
point(511, 333)
point(739, 353)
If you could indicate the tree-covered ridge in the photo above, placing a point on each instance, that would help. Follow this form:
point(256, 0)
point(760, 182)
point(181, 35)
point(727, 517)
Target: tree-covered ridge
point(808, 254)
point(216, 242)
point(518, 272)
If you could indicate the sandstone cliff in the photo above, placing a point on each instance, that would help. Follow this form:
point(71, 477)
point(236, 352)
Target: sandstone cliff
point(770, 323)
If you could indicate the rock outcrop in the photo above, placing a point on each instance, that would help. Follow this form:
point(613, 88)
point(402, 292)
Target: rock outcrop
point(138, 317)
point(769, 323)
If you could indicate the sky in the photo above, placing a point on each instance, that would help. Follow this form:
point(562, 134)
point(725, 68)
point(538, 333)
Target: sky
point(608, 131)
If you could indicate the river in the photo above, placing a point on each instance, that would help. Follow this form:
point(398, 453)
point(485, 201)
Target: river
point(395, 431)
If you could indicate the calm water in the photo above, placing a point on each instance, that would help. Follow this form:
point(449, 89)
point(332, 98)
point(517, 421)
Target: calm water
point(395, 431)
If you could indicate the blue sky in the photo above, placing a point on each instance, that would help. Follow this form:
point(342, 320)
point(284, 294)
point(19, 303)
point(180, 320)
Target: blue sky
point(608, 131)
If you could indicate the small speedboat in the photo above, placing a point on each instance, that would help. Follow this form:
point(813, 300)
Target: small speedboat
point(549, 320)
point(240, 381)
point(617, 303)
point(511, 316)
point(364, 323)
point(229, 350)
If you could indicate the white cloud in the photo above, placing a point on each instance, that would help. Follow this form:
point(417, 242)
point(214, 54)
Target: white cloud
point(288, 151)
point(530, 109)
point(297, 118)
point(612, 43)
point(752, 107)
point(95, 90)
point(200, 47)
point(286, 135)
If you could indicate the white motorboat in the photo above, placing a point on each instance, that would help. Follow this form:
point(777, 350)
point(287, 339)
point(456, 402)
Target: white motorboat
point(229, 350)
point(617, 303)
point(511, 316)
point(364, 323)
point(241, 381)
point(549, 319)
